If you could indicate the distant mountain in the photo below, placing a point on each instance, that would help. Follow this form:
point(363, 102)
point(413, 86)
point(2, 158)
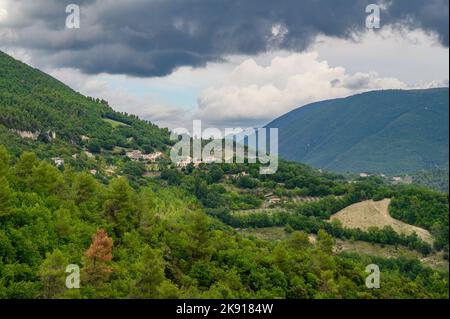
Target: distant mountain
point(392, 131)
point(39, 113)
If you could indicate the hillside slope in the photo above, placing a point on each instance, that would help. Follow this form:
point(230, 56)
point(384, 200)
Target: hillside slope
point(170, 235)
point(382, 131)
point(368, 214)
point(35, 104)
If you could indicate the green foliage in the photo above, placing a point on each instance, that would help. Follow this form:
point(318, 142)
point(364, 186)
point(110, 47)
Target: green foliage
point(94, 146)
point(52, 275)
point(120, 206)
point(4, 161)
point(33, 101)
point(85, 188)
point(150, 268)
point(172, 176)
point(139, 237)
point(247, 182)
point(165, 246)
point(423, 208)
point(45, 179)
point(133, 170)
point(436, 178)
point(5, 196)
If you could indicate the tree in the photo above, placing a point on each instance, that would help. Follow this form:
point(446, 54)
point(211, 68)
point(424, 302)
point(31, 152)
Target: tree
point(298, 240)
point(52, 274)
point(215, 174)
point(134, 169)
point(172, 176)
point(25, 165)
point(94, 146)
point(4, 161)
point(84, 188)
point(200, 188)
point(45, 179)
point(247, 182)
point(151, 274)
point(120, 206)
point(96, 260)
point(325, 241)
point(5, 196)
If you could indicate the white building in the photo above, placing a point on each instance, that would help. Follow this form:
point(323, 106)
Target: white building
point(134, 155)
point(152, 157)
point(89, 154)
point(58, 161)
point(212, 159)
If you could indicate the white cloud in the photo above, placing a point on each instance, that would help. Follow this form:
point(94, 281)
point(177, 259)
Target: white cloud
point(412, 56)
point(244, 91)
point(259, 93)
point(3, 14)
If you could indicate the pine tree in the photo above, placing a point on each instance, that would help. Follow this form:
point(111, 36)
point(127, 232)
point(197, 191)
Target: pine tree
point(52, 274)
point(5, 196)
point(96, 260)
point(84, 188)
point(25, 165)
point(325, 242)
point(120, 207)
point(151, 269)
point(4, 161)
point(45, 179)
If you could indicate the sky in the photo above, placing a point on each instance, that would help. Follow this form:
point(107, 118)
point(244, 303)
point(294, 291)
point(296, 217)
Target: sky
point(229, 63)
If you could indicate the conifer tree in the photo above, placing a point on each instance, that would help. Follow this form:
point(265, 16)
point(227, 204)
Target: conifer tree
point(96, 268)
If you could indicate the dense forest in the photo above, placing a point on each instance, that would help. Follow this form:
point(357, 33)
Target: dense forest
point(158, 242)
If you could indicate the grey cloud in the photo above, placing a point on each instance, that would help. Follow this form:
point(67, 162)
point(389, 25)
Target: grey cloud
point(429, 15)
point(153, 38)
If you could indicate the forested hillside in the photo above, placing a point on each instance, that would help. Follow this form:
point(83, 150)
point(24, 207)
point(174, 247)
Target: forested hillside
point(388, 132)
point(32, 101)
point(158, 243)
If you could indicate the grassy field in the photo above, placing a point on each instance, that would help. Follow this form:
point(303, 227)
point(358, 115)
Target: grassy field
point(115, 124)
point(376, 214)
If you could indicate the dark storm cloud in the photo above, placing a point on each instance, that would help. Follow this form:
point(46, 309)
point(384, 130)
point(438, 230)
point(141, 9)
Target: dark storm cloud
point(152, 38)
point(429, 15)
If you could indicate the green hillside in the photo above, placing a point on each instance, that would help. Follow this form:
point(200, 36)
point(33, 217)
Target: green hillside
point(33, 101)
point(382, 131)
point(436, 179)
point(154, 230)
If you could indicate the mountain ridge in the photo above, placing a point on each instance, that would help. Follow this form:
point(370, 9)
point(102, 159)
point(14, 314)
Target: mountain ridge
point(360, 128)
